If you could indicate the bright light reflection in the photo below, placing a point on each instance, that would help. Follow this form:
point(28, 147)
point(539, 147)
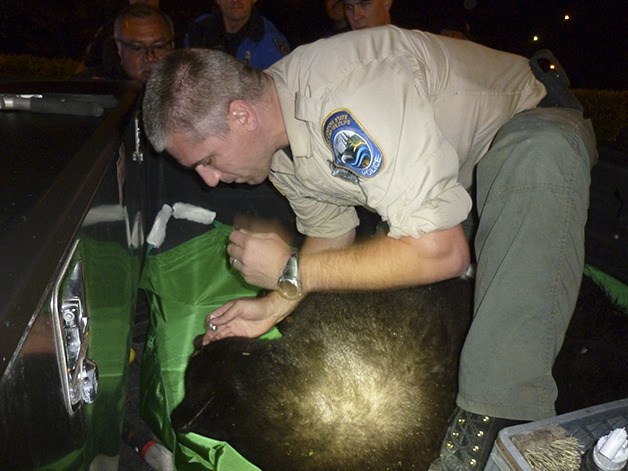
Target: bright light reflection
point(567, 18)
point(535, 38)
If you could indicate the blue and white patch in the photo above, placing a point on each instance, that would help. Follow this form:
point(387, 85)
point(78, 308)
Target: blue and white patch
point(355, 155)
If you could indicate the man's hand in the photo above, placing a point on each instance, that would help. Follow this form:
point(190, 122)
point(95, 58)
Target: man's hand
point(260, 258)
point(247, 317)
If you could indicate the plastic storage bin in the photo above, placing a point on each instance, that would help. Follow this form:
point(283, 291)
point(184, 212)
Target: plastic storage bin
point(587, 425)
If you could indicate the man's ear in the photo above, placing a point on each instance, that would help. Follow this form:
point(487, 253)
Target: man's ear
point(242, 114)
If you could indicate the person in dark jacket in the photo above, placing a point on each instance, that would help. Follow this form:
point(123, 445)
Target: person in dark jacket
point(241, 31)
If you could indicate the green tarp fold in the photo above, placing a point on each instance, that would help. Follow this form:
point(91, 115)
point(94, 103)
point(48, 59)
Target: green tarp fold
point(183, 285)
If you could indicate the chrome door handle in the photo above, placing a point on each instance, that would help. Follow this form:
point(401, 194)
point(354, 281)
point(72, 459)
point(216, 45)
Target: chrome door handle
point(79, 374)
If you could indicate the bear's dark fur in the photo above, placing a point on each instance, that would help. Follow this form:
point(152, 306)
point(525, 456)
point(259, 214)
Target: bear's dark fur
point(358, 381)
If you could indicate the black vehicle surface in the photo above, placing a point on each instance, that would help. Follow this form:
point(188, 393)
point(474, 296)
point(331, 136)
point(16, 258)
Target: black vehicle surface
point(73, 212)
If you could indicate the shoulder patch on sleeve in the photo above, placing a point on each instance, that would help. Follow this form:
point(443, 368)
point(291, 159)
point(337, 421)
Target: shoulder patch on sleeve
point(353, 150)
point(282, 46)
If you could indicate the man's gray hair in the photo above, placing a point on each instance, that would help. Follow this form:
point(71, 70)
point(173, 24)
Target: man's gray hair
point(190, 90)
point(139, 10)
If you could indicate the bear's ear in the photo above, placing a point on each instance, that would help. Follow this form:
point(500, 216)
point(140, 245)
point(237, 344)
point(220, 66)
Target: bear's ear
point(186, 416)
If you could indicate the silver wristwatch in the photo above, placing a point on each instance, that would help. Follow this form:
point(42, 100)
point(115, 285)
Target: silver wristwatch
point(289, 282)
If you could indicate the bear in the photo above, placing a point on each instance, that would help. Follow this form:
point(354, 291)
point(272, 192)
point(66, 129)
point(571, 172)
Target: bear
point(357, 381)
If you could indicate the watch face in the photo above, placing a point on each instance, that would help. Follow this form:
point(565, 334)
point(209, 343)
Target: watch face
point(289, 289)
point(289, 284)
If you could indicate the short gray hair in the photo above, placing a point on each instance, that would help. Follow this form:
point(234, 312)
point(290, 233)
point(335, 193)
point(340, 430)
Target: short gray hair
point(190, 91)
point(140, 10)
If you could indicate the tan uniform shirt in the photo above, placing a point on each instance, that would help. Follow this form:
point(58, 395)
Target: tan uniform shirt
point(394, 120)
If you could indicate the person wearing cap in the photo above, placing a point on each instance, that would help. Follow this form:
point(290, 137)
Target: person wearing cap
point(362, 14)
point(240, 30)
point(422, 129)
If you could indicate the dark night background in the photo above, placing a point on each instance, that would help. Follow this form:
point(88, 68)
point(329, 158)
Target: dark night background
point(591, 45)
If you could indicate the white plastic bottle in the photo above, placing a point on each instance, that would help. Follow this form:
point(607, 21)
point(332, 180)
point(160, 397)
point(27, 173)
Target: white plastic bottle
point(610, 453)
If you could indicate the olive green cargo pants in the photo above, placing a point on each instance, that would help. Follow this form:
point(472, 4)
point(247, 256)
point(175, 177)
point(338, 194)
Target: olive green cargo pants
point(532, 201)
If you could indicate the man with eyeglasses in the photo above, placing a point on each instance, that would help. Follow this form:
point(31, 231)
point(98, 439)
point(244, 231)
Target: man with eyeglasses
point(101, 51)
point(362, 14)
point(143, 36)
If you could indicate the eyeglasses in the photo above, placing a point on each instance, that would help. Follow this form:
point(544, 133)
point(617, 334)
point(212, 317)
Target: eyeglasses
point(138, 49)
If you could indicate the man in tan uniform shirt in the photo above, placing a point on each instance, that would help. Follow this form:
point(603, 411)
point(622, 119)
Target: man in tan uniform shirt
point(399, 121)
point(447, 126)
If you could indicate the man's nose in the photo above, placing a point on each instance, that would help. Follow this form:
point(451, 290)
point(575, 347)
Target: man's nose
point(151, 55)
point(210, 175)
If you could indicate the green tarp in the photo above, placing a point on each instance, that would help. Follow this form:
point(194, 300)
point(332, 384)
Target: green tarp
point(183, 285)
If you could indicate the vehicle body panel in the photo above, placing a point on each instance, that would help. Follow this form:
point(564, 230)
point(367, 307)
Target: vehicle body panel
point(73, 196)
